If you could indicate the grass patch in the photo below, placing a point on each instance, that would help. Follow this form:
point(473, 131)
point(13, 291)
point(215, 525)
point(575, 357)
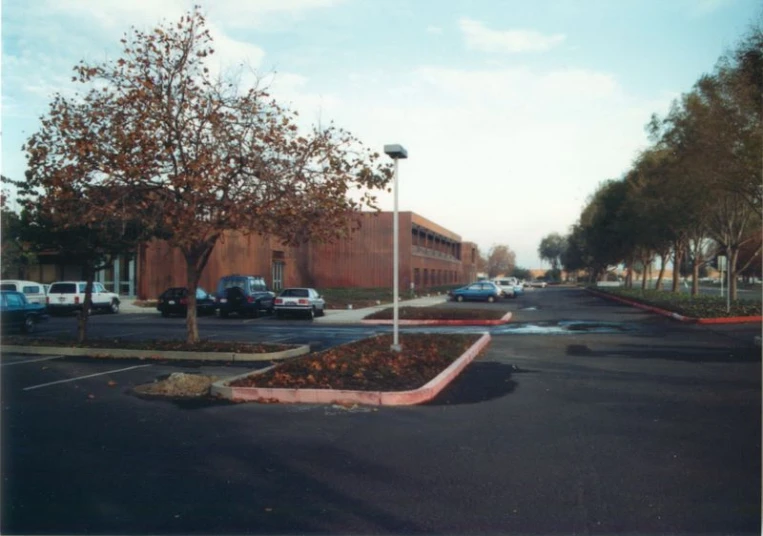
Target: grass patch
point(368, 365)
point(157, 345)
point(438, 313)
point(341, 298)
point(701, 306)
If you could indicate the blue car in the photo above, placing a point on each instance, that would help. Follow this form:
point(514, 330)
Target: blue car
point(17, 313)
point(482, 290)
point(519, 289)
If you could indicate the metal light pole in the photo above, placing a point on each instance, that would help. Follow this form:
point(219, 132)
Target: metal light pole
point(396, 152)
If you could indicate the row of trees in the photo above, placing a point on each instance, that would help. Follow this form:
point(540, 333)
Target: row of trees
point(158, 146)
point(695, 193)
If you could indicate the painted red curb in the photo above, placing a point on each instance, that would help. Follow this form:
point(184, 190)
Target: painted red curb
point(505, 319)
point(340, 396)
point(676, 316)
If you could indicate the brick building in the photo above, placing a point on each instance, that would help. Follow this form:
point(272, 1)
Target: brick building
point(430, 255)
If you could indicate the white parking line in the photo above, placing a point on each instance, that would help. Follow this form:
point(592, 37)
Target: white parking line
point(83, 377)
point(22, 361)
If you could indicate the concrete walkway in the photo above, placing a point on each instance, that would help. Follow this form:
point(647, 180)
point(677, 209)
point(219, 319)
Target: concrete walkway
point(333, 316)
point(354, 316)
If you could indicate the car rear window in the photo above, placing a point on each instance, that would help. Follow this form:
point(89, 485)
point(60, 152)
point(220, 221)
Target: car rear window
point(232, 282)
point(7, 286)
point(31, 290)
point(295, 293)
point(63, 288)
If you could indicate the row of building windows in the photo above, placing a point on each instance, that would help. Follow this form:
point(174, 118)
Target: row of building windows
point(434, 278)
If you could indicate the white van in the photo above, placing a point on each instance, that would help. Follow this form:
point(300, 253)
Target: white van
point(34, 292)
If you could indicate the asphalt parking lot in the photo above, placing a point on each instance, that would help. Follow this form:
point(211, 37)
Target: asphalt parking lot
point(649, 426)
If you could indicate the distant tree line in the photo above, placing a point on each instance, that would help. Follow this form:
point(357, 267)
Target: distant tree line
point(695, 193)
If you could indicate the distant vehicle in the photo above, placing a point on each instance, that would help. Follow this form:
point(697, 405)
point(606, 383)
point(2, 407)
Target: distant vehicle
point(174, 301)
point(244, 295)
point(33, 291)
point(507, 285)
point(519, 289)
point(18, 313)
point(538, 284)
point(69, 296)
point(482, 290)
point(302, 301)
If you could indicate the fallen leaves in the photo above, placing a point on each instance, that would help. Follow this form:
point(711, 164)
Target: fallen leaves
point(368, 365)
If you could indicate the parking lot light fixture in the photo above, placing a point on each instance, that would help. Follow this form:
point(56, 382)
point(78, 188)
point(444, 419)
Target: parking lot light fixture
point(396, 152)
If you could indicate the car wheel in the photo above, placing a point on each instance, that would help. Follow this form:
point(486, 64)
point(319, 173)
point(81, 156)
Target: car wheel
point(279, 315)
point(459, 298)
point(490, 299)
point(223, 314)
point(114, 307)
point(165, 314)
point(311, 313)
point(29, 325)
point(322, 311)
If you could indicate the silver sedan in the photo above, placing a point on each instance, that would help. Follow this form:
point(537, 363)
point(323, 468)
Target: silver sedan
point(301, 301)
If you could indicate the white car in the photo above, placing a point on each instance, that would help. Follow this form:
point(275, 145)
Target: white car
point(32, 291)
point(68, 296)
point(302, 301)
point(507, 286)
point(538, 284)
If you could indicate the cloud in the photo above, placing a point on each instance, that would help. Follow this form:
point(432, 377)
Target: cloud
point(479, 37)
point(705, 7)
point(436, 30)
point(504, 155)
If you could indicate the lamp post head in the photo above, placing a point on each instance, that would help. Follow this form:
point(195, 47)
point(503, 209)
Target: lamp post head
point(395, 151)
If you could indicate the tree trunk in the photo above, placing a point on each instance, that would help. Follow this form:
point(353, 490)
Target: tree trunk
point(695, 276)
point(732, 266)
point(678, 257)
point(192, 275)
point(629, 273)
point(643, 278)
point(661, 274)
point(84, 314)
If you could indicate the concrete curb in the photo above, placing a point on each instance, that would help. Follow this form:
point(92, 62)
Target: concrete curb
point(676, 316)
point(505, 319)
point(339, 396)
point(118, 353)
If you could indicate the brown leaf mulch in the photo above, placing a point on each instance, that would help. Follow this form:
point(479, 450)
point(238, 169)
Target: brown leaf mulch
point(158, 345)
point(439, 313)
point(368, 365)
point(178, 384)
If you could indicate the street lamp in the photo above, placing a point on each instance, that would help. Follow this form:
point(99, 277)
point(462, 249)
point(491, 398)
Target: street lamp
point(396, 152)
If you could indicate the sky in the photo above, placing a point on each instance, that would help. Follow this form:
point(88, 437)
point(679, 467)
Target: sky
point(512, 112)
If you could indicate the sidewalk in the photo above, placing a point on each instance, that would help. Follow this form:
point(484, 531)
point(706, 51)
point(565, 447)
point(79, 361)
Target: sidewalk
point(354, 316)
point(333, 316)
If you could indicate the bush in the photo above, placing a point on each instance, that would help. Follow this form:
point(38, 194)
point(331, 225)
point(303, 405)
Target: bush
point(702, 306)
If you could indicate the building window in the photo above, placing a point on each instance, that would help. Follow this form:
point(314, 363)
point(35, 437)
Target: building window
point(426, 277)
point(417, 277)
point(277, 275)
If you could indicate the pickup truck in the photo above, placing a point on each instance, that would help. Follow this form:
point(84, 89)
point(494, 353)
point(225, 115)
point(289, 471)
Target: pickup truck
point(17, 313)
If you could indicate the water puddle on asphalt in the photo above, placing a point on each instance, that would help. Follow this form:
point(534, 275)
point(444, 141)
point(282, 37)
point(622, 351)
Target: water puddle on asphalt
point(529, 309)
point(567, 327)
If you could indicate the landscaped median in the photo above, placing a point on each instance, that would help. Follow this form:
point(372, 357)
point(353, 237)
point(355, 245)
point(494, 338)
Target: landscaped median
point(701, 309)
point(156, 349)
point(364, 372)
point(440, 316)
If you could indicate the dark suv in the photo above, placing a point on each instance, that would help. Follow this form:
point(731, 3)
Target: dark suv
point(244, 295)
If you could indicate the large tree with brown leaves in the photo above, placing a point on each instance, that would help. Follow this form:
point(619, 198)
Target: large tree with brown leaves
point(211, 155)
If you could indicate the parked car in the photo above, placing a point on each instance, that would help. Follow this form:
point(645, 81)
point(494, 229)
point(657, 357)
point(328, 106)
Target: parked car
point(174, 301)
point(483, 290)
point(244, 295)
point(538, 284)
point(34, 292)
point(16, 312)
point(507, 286)
point(302, 301)
point(519, 289)
point(69, 296)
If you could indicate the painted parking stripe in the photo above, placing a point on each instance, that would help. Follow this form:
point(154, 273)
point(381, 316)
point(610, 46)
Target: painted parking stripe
point(84, 377)
point(23, 361)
